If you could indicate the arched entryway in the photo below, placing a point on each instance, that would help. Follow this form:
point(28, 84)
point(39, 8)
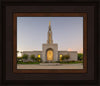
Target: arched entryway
point(49, 55)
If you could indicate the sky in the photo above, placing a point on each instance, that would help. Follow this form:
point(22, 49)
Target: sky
point(67, 32)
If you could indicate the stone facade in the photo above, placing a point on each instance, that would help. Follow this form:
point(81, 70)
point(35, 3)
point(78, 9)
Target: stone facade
point(56, 56)
point(72, 54)
point(54, 48)
point(29, 53)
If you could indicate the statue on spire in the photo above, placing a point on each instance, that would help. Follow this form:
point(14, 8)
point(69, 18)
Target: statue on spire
point(49, 41)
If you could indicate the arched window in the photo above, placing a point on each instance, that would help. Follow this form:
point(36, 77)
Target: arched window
point(39, 56)
point(60, 57)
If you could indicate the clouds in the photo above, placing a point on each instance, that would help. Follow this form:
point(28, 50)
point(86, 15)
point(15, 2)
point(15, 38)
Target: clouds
point(69, 49)
point(81, 50)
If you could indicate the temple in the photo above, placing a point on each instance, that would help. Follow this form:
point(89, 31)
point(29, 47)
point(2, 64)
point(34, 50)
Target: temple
point(50, 50)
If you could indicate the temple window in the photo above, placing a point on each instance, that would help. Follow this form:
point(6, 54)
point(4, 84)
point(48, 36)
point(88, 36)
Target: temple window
point(39, 56)
point(60, 58)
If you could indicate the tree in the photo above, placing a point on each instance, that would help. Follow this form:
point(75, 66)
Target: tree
point(25, 56)
point(33, 57)
point(65, 57)
point(80, 56)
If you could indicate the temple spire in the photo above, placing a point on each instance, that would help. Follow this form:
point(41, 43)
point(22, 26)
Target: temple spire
point(49, 41)
point(49, 23)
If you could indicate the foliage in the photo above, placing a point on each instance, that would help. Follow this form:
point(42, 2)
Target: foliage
point(80, 56)
point(68, 62)
point(25, 56)
point(71, 62)
point(32, 57)
point(38, 59)
point(65, 57)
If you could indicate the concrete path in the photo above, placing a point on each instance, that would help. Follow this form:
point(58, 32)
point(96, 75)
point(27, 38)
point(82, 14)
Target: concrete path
point(38, 66)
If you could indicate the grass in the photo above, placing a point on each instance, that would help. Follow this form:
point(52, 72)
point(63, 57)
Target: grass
point(68, 62)
point(27, 62)
point(71, 62)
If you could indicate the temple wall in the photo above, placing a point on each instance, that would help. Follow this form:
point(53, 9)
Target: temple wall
point(56, 56)
point(72, 54)
point(29, 53)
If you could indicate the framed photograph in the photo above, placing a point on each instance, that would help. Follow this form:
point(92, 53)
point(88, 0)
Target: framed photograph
point(51, 58)
point(46, 42)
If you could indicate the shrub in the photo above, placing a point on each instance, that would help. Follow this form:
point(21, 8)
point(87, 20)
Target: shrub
point(80, 56)
point(65, 57)
point(25, 56)
point(72, 61)
point(32, 57)
point(35, 59)
point(29, 62)
point(38, 59)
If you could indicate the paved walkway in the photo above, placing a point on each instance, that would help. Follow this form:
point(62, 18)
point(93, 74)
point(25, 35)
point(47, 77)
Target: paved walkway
point(38, 66)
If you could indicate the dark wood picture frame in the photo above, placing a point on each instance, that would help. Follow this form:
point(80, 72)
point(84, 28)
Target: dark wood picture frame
point(84, 15)
point(8, 76)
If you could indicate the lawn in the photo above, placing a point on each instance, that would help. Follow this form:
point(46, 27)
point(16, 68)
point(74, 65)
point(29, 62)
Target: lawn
point(72, 62)
point(27, 62)
point(68, 62)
